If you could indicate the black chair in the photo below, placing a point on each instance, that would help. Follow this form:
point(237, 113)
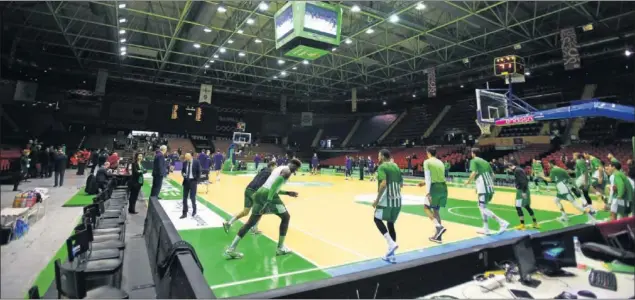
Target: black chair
point(108, 241)
point(78, 246)
point(106, 271)
point(71, 284)
point(34, 293)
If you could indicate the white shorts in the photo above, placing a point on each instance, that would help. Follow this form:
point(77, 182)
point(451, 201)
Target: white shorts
point(615, 203)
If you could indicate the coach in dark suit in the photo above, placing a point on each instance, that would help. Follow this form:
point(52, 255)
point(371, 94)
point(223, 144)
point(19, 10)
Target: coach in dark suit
point(60, 167)
point(159, 170)
point(191, 173)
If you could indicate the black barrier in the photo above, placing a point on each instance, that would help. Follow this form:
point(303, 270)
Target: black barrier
point(181, 278)
point(423, 276)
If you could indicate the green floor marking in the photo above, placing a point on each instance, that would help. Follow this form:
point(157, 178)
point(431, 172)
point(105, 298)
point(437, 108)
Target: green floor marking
point(467, 213)
point(80, 199)
point(259, 270)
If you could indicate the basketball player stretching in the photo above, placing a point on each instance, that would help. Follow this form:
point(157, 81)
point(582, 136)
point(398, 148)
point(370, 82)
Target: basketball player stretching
point(267, 201)
point(483, 176)
point(388, 203)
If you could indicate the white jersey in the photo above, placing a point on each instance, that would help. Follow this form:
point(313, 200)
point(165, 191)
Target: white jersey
point(274, 175)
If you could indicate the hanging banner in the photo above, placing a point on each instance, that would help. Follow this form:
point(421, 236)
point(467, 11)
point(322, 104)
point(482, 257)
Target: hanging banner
point(25, 91)
point(354, 99)
point(570, 53)
point(432, 83)
point(100, 84)
point(283, 104)
point(206, 94)
point(306, 119)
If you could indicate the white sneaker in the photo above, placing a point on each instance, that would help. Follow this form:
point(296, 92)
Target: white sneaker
point(391, 250)
point(563, 219)
point(503, 227)
point(483, 231)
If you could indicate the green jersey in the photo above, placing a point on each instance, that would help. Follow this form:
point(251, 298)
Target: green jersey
point(390, 173)
point(536, 167)
point(580, 167)
point(484, 175)
point(595, 163)
point(559, 175)
point(624, 188)
point(434, 168)
point(446, 165)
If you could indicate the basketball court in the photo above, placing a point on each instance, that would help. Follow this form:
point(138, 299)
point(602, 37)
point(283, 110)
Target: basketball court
point(331, 231)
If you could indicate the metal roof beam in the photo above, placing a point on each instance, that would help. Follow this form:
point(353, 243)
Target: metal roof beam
point(63, 31)
point(177, 30)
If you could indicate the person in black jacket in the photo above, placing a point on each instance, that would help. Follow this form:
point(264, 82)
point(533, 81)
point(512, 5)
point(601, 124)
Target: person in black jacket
point(523, 198)
point(44, 161)
point(102, 176)
point(51, 166)
point(136, 181)
point(94, 160)
point(191, 174)
point(159, 170)
point(60, 167)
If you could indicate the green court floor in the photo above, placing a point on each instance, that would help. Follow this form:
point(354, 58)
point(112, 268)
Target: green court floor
point(80, 199)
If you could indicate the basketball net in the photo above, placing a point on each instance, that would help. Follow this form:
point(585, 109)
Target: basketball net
point(485, 128)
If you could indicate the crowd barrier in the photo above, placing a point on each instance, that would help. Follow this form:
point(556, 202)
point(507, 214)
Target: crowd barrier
point(176, 273)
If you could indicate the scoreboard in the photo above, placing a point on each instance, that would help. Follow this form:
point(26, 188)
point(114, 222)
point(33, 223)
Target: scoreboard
point(509, 65)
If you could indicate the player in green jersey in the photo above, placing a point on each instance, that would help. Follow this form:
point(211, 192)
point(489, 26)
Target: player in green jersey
point(612, 158)
point(436, 191)
point(523, 196)
point(483, 176)
point(582, 178)
point(388, 203)
point(598, 177)
point(537, 172)
point(266, 200)
point(621, 195)
point(560, 177)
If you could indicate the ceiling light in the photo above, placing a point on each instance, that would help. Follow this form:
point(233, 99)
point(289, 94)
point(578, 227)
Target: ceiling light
point(122, 5)
point(275, 77)
point(207, 29)
point(462, 86)
point(384, 103)
point(240, 31)
point(294, 68)
point(414, 96)
point(348, 41)
point(258, 41)
point(197, 46)
point(211, 61)
point(370, 30)
point(334, 49)
point(123, 53)
point(394, 19)
point(420, 6)
point(215, 55)
point(283, 73)
point(230, 41)
point(122, 40)
point(306, 62)
point(122, 31)
point(222, 50)
point(628, 53)
point(355, 8)
point(263, 6)
point(123, 49)
point(280, 62)
point(241, 54)
point(527, 73)
point(250, 21)
point(122, 20)
point(221, 9)
point(206, 66)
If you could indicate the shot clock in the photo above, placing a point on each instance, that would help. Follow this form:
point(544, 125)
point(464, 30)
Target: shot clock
point(509, 65)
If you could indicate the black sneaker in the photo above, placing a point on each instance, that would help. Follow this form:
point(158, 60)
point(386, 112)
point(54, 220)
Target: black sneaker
point(435, 239)
point(440, 232)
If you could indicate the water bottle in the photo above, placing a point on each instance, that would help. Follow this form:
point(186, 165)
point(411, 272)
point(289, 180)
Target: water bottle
point(576, 244)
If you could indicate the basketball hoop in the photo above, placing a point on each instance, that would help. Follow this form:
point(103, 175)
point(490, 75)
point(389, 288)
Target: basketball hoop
point(485, 128)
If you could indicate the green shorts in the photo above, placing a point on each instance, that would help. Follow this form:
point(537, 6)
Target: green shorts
point(523, 201)
point(389, 214)
point(563, 192)
point(249, 198)
point(262, 206)
point(438, 195)
point(485, 198)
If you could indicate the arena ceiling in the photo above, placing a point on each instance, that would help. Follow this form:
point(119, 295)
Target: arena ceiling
point(230, 44)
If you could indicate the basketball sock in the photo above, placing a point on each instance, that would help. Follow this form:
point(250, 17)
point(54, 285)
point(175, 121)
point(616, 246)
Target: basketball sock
point(559, 204)
point(281, 241)
point(232, 220)
point(389, 240)
point(492, 215)
point(235, 242)
point(436, 222)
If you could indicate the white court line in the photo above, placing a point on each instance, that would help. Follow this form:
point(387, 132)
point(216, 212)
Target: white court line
point(476, 218)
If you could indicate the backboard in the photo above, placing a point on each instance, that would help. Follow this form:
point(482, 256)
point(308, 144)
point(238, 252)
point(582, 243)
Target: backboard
point(241, 138)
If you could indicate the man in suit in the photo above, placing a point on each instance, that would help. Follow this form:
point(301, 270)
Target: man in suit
point(60, 167)
point(159, 170)
point(191, 173)
point(102, 176)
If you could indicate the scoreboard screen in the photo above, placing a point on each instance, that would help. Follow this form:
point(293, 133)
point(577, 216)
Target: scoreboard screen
point(509, 65)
